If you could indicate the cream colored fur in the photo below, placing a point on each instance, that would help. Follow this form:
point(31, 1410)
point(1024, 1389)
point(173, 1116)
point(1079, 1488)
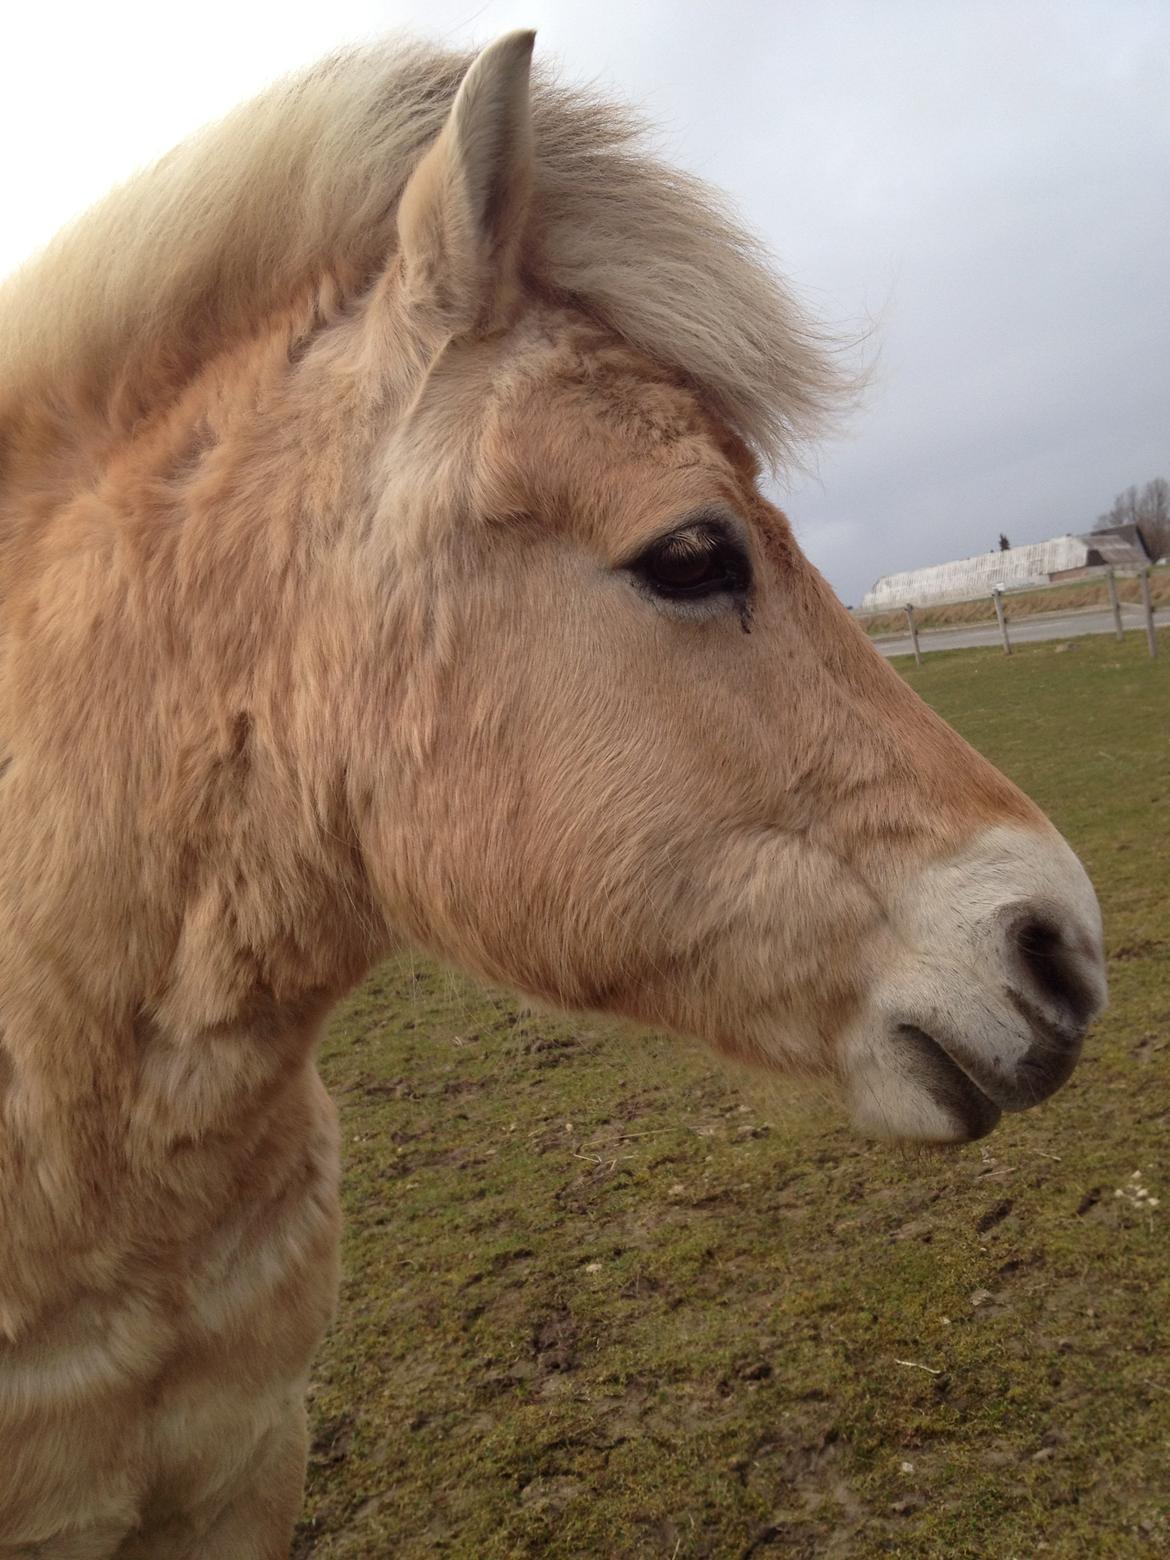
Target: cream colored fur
point(318, 635)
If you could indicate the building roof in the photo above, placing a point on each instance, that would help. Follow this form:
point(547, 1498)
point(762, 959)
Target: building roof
point(1014, 568)
point(1118, 545)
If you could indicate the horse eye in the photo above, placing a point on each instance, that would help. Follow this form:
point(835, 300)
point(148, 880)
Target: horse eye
point(694, 563)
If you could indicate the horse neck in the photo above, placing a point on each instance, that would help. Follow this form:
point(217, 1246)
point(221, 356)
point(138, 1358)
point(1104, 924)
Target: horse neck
point(181, 890)
point(128, 1147)
point(156, 1074)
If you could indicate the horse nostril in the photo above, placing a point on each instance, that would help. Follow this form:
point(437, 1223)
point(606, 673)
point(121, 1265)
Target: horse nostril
point(1054, 970)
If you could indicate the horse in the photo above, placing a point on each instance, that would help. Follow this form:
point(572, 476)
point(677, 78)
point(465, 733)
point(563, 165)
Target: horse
point(386, 562)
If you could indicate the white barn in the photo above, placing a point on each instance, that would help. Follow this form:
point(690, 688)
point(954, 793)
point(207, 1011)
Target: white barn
point(1017, 568)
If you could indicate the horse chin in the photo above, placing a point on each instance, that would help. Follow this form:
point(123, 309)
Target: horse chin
point(925, 1098)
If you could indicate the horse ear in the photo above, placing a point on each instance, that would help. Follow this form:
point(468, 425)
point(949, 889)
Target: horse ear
point(462, 214)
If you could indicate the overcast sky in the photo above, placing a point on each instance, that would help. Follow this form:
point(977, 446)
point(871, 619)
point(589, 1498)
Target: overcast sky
point(985, 185)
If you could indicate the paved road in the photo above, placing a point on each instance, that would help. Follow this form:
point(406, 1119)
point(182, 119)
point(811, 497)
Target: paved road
point(1050, 625)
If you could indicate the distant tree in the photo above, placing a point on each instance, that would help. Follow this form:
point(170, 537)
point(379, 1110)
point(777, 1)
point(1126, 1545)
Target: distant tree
point(1004, 544)
point(1123, 512)
point(1147, 508)
point(1154, 517)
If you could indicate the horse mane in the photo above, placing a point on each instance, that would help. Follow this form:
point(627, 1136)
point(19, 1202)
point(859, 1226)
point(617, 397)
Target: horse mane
point(302, 183)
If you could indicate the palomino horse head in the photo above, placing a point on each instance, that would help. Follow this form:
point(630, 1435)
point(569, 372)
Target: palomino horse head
point(663, 772)
point(446, 607)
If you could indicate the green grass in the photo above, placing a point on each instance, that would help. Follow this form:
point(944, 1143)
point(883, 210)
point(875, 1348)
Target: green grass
point(602, 1297)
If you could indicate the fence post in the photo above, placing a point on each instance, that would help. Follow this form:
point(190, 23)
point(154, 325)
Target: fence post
point(997, 597)
point(1116, 605)
point(1151, 637)
point(913, 633)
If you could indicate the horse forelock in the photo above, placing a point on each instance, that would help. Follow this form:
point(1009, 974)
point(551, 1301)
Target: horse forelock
point(299, 189)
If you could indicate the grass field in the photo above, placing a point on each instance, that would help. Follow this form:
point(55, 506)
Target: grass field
point(602, 1298)
point(1074, 596)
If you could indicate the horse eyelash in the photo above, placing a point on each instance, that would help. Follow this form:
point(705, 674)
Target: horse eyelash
point(711, 535)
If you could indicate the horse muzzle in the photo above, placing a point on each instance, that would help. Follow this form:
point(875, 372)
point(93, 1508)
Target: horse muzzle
point(995, 972)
